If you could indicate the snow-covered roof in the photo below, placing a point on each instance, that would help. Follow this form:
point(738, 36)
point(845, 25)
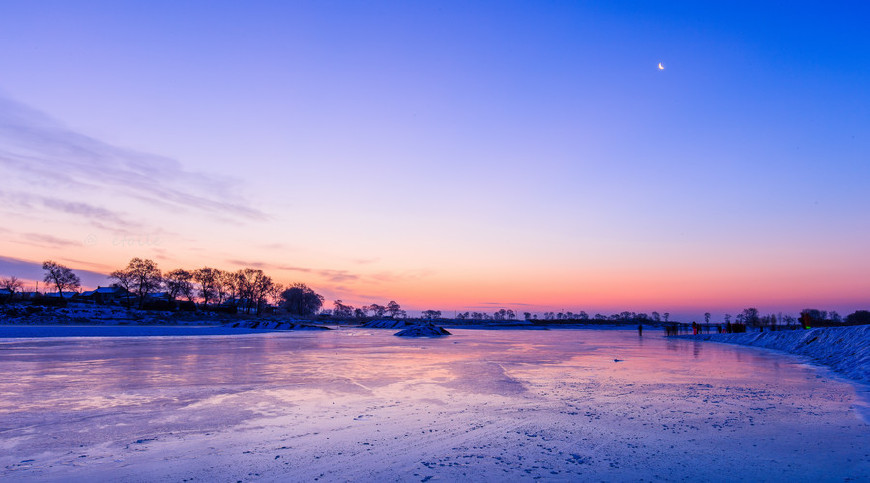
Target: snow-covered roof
point(104, 291)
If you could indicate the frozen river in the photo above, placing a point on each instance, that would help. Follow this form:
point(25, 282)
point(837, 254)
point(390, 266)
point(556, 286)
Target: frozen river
point(356, 404)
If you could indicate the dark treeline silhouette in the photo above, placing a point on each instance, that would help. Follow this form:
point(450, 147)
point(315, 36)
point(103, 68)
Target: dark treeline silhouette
point(341, 311)
point(141, 284)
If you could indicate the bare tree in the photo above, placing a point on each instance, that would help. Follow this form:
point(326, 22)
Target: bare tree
point(220, 285)
point(750, 316)
point(340, 310)
point(253, 287)
point(431, 314)
point(275, 293)
point(12, 284)
point(60, 276)
point(394, 309)
point(125, 281)
point(144, 278)
point(178, 282)
point(706, 317)
point(231, 284)
point(208, 279)
point(377, 310)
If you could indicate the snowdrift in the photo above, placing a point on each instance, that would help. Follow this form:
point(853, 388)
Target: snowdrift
point(275, 325)
point(845, 349)
point(386, 324)
point(422, 331)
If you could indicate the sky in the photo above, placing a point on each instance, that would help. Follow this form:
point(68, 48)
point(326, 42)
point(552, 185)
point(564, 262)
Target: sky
point(449, 155)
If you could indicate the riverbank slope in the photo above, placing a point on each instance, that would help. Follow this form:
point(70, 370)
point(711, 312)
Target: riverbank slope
point(846, 350)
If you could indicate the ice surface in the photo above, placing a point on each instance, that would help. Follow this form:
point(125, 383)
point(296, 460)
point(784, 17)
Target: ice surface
point(362, 405)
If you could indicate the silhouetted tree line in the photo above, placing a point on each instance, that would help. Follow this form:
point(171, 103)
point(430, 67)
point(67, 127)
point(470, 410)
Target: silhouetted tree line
point(250, 290)
point(340, 310)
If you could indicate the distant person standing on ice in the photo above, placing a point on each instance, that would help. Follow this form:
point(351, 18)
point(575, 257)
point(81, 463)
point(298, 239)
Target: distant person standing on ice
point(640, 330)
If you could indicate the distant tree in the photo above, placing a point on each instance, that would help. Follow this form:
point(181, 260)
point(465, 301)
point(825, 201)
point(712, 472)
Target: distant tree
point(376, 310)
point(583, 315)
point(178, 282)
point(60, 276)
point(144, 278)
point(814, 315)
point(727, 318)
point(232, 286)
point(431, 314)
point(300, 300)
point(359, 312)
point(12, 284)
point(208, 280)
point(253, 288)
point(666, 316)
point(656, 317)
point(275, 293)
point(706, 317)
point(835, 317)
point(124, 280)
point(394, 309)
point(527, 316)
point(341, 310)
point(510, 314)
point(462, 315)
point(859, 317)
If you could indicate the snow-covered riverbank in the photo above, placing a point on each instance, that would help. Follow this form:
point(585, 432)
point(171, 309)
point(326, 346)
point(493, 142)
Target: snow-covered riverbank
point(846, 350)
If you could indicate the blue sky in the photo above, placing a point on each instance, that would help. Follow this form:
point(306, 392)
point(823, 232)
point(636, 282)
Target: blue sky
point(450, 154)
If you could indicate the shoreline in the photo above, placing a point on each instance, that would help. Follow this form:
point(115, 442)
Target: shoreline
point(845, 350)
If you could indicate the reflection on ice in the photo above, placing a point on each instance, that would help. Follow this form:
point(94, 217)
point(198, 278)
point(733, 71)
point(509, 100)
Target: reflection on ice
point(361, 404)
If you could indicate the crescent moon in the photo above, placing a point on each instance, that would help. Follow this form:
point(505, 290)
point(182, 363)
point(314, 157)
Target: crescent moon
point(661, 67)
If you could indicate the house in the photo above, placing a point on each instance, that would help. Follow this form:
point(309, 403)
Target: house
point(113, 295)
point(65, 295)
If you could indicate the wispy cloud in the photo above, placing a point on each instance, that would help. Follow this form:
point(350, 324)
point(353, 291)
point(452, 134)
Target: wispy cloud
point(330, 275)
point(97, 216)
point(48, 240)
point(38, 148)
point(404, 276)
point(501, 304)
